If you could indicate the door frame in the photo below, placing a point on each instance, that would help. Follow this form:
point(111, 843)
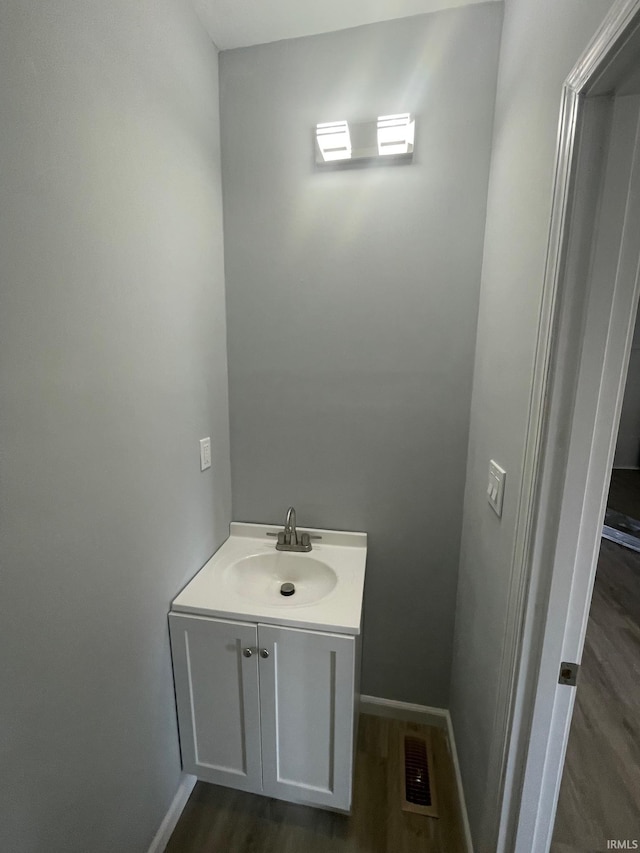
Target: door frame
point(552, 575)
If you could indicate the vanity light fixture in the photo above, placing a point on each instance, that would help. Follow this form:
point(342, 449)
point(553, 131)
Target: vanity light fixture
point(383, 141)
point(334, 140)
point(395, 134)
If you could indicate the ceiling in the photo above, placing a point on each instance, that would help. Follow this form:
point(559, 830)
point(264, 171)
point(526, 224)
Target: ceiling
point(239, 23)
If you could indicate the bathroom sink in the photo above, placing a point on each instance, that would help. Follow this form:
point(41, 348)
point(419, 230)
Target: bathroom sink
point(267, 579)
point(243, 580)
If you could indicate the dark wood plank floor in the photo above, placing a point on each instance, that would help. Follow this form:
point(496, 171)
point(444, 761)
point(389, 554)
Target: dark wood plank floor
point(600, 792)
point(220, 820)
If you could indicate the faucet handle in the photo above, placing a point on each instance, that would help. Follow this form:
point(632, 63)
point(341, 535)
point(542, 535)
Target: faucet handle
point(279, 535)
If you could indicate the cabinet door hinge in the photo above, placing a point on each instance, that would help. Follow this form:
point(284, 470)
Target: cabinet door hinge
point(568, 673)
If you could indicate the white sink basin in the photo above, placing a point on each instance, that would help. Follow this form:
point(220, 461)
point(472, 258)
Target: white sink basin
point(244, 577)
point(260, 578)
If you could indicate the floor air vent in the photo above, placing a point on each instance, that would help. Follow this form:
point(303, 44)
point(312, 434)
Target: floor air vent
point(417, 761)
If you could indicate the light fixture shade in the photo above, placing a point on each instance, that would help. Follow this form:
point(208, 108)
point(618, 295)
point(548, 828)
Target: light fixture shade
point(334, 140)
point(395, 134)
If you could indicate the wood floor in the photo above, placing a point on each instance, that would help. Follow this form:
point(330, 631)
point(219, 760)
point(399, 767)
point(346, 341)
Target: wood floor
point(220, 820)
point(600, 792)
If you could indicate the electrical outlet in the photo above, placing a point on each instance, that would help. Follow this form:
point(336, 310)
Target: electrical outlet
point(205, 453)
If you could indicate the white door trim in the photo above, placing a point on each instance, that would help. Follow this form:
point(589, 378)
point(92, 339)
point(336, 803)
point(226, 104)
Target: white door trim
point(513, 770)
point(577, 468)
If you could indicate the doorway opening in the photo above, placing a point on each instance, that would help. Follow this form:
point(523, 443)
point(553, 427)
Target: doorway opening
point(600, 791)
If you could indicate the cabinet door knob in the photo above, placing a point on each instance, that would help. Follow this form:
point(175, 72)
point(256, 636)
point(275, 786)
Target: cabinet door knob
point(247, 652)
point(264, 653)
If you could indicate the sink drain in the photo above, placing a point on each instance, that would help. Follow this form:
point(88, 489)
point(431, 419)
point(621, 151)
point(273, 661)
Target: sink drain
point(287, 589)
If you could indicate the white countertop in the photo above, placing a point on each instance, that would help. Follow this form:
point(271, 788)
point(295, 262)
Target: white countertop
point(339, 611)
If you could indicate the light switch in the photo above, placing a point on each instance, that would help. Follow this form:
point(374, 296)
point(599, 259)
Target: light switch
point(205, 453)
point(495, 488)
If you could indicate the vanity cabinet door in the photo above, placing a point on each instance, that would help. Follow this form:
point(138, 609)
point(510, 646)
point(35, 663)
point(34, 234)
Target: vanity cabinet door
point(307, 709)
point(217, 698)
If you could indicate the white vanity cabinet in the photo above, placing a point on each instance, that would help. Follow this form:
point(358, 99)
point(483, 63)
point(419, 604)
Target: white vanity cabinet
point(265, 708)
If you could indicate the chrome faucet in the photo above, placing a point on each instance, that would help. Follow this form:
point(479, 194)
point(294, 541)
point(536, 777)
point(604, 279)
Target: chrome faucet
point(289, 539)
point(290, 532)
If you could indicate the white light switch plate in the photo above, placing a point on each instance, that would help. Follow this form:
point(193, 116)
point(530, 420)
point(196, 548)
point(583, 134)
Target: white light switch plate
point(205, 453)
point(495, 488)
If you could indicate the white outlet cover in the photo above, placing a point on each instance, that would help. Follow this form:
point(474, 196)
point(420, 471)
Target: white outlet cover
point(205, 453)
point(495, 487)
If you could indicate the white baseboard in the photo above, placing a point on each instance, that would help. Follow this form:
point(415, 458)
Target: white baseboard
point(162, 836)
point(404, 711)
point(461, 799)
point(439, 717)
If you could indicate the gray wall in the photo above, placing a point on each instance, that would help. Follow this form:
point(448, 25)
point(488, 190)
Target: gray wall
point(112, 366)
point(541, 41)
point(628, 444)
point(352, 305)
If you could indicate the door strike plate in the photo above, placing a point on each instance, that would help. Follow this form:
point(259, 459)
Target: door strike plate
point(568, 673)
